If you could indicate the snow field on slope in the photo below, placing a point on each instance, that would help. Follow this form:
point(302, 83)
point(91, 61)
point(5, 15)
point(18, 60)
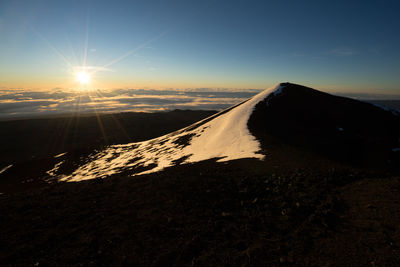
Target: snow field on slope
point(225, 137)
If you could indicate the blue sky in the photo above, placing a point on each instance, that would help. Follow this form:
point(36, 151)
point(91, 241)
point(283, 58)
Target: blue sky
point(338, 46)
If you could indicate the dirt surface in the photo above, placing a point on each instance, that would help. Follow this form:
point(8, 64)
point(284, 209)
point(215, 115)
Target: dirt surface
point(242, 213)
point(369, 228)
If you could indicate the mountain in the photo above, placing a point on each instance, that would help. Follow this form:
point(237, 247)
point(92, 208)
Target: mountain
point(291, 177)
point(337, 128)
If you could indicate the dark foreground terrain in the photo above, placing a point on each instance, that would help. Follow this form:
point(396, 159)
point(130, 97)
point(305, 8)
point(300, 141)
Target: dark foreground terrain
point(317, 199)
point(40, 138)
point(242, 213)
point(31, 145)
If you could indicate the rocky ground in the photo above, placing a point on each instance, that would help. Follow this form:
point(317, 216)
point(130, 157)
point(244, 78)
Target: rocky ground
point(241, 213)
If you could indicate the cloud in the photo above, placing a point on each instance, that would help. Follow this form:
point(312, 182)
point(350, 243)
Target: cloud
point(370, 96)
point(343, 51)
point(11, 107)
point(14, 104)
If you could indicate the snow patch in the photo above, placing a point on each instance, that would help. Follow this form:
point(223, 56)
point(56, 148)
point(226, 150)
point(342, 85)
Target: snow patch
point(53, 171)
point(5, 168)
point(60, 155)
point(224, 136)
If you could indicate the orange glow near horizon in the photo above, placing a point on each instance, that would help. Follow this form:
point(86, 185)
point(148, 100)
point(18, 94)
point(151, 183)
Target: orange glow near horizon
point(72, 82)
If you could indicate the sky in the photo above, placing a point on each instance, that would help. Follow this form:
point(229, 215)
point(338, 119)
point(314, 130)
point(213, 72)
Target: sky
point(335, 46)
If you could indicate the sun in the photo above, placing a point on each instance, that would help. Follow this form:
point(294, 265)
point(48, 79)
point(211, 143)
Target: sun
point(83, 78)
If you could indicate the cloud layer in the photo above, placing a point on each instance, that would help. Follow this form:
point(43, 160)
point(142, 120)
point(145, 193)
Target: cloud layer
point(18, 103)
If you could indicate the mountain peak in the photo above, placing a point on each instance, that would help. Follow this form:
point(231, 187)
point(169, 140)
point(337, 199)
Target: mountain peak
point(224, 136)
point(336, 127)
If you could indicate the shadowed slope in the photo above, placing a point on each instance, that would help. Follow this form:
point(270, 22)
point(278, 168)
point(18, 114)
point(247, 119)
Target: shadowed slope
point(339, 128)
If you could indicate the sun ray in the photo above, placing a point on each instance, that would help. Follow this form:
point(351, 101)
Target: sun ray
point(121, 127)
point(130, 52)
point(100, 123)
point(71, 49)
point(58, 53)
point(86, 40)
point(83, 73)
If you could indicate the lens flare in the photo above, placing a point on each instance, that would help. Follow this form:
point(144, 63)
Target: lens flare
point(83, 78)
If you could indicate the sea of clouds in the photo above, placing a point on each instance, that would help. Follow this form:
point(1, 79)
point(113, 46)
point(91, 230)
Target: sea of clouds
point(20, 103)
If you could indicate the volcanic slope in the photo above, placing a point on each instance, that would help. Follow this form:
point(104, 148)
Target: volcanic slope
point(224, 136)
point(338, 128)
point(244, 212)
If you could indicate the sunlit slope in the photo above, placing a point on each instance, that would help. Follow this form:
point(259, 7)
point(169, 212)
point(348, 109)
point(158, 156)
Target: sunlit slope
point(224, 136)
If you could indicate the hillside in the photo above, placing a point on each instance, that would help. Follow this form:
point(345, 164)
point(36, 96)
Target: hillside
point(316, 184)
point(337, 128)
